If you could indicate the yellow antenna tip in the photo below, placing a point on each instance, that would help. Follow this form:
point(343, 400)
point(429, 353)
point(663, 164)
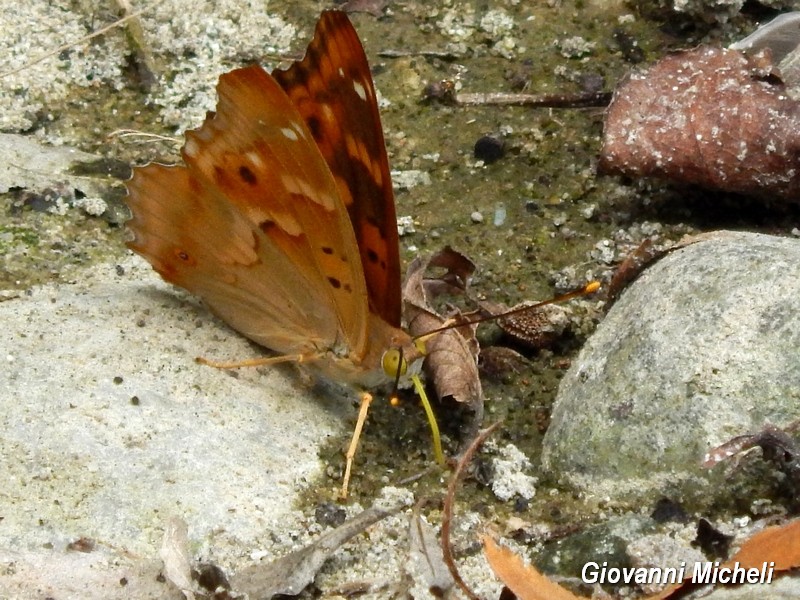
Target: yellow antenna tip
point(592, 287)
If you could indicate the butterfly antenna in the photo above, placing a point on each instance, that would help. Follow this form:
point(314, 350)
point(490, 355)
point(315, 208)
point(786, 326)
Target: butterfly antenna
point(587, 289)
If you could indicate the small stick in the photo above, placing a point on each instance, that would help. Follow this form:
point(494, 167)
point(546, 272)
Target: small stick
point(135, 133)
point(445, 93)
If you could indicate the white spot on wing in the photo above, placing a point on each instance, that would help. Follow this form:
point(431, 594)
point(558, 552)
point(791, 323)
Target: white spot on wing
point(289, 133)
point(341, 72)
point(255, 160)
point(190, 147)
point(295, 185)
point(360, 90)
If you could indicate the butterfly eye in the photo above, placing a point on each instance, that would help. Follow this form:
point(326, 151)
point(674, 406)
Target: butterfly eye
point(393, 363)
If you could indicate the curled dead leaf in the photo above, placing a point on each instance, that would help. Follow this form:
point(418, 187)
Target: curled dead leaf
point(630, 268)
point(536, 328)
point(451, 362)
point(712, 117)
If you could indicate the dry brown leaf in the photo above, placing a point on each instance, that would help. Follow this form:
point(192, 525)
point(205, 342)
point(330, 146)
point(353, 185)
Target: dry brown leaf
point(712, 117)
point(290, 574)
point(451, 362)
point(536, 328)
point(525, 581)
point(779, 544)
point(630, 268)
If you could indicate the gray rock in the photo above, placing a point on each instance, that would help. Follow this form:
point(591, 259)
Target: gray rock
point(108, 428)
point(701, 348)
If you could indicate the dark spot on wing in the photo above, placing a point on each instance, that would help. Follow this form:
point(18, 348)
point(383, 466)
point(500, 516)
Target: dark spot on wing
point(247, 175)
point(335, 282)
point(315, 127)
point(374, 259)
point(327, 250)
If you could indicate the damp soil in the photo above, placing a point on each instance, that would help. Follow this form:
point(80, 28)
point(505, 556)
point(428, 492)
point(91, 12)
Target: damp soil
point(531, 221)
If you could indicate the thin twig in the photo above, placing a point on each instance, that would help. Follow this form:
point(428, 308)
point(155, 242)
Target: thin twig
point(581, 100)
point(440, 54)
point(445, 92)
point(135, 133)
point(449, 500)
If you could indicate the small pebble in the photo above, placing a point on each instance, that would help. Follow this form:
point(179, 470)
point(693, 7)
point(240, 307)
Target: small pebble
point(476, 217)
point(499, 214)
point(489, 149)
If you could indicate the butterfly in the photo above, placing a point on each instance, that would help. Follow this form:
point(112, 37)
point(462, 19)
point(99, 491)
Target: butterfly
point(282, 217)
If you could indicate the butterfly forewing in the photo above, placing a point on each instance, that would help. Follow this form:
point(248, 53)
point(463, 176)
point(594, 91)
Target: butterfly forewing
point(333, 91)
point(254, 165)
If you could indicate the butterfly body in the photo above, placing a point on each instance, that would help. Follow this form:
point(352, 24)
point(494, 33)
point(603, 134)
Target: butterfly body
point(282, 216)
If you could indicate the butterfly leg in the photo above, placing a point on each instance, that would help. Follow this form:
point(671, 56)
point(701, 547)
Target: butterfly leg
point(252, 362)
point(366, 400)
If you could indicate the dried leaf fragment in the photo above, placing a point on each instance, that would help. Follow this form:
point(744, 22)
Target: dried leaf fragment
point(426, 560)
point(778, 544)
point(290, 574)
point(525, 581)
point(451, 360)
point(711, 117)
point(536, 328)
point(175, 554)
point(630, 268)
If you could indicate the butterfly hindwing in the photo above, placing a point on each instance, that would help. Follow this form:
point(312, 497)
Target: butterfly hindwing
point(262, 223)
point(333, 91)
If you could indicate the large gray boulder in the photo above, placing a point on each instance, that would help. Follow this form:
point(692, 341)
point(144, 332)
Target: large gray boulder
point(701, 348)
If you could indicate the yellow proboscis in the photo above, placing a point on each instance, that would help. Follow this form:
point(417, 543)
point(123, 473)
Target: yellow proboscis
point(395, 365)
point(437, 439)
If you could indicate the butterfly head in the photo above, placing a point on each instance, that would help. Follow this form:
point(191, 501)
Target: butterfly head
point(403, 361)
point(400, 363)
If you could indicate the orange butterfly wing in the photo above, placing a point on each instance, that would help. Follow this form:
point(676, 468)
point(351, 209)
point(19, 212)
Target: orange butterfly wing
point(333, 91)
point(254, 224)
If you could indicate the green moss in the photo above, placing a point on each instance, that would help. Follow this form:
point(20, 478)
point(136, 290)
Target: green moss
point(13, 236)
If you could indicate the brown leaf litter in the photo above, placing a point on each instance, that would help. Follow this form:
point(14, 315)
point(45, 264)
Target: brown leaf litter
point(713, 117)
